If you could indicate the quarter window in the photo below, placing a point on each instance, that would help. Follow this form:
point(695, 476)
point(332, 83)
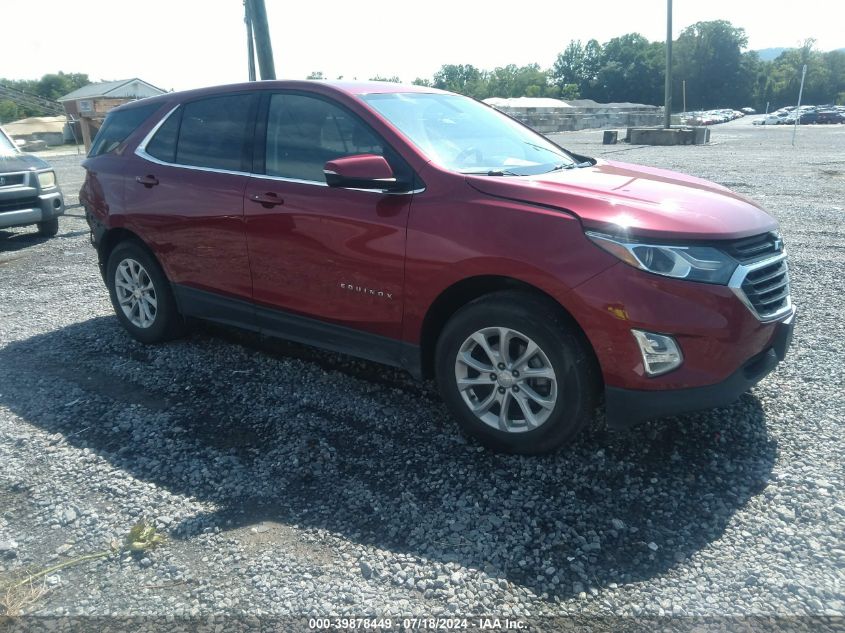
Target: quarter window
point(163, 144)
point(118, 126)
point(303, 133)
point(215, 133)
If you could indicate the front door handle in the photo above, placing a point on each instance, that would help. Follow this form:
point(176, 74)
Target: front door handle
point(267, 200)
point(148, 181)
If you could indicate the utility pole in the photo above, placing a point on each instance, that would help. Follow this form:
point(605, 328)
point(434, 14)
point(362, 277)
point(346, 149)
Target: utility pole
point(798, 108)
point(261, 33)
point(667, 103)
point(250, 45)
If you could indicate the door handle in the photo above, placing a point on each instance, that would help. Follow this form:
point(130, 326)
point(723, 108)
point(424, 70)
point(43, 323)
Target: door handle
point(148, 181)
point(267, 200)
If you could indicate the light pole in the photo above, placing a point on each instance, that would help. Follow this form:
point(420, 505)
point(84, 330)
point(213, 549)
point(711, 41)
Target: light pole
point(667, 102)
point(250, 45)
point(261, 34)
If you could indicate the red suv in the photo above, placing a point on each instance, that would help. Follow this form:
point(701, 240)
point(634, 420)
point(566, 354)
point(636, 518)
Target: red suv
point(426, 230)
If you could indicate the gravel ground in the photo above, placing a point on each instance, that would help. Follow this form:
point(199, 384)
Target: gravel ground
point(288, 481)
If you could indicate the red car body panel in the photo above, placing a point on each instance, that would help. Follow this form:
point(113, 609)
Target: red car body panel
point(376, 263)
point(643, 201)
point(334, 254)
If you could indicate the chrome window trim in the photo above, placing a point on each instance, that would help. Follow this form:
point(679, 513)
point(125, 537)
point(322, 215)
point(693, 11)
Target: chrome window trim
point(738, 278)
point(141, 152)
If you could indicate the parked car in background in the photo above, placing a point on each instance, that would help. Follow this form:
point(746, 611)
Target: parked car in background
point(775, 118)
point(425, 230)
point(29, 192)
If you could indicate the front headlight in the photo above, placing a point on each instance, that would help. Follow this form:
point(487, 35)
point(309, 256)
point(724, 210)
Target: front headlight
point(695, 263)
point(46, 179)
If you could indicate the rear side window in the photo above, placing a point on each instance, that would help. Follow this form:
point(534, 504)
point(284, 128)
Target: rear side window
point(215, 132)
point(118, 126)
point(303, 133)
point(163, 144)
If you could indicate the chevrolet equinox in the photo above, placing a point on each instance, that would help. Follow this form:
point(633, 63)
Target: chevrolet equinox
point(425, 230)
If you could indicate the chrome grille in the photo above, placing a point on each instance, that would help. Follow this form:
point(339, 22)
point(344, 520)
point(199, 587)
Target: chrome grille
point(764, 287)
point(754, 248)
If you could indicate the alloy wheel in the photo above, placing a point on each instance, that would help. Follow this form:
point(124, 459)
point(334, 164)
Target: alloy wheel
point(135, 293)
point(506, 379)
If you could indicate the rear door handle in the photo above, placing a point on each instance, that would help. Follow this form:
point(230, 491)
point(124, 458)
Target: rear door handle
point(148, 181)
point(267, 200)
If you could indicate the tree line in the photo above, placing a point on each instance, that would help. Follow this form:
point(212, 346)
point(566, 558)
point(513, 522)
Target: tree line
point(709, 58)
point(710, 64)
point(50, 86)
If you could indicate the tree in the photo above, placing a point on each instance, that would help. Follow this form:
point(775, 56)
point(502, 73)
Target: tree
point(462, 78)
point(419, 81)
point(53, 86)
point(569, 67)
point(708, 55)
point(630, 70)
point(316, 75)
point(518, 81)
point(394, 79)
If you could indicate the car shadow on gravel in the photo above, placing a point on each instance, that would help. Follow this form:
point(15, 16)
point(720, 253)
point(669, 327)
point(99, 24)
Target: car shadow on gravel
point(277, 432)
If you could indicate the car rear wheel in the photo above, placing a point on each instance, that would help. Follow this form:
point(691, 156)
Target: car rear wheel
point(516, 374)
point(141, 295)
point(49, 228)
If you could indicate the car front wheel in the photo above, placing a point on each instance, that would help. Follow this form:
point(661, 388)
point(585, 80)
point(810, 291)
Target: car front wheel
point(141, 295)
point(516, 374)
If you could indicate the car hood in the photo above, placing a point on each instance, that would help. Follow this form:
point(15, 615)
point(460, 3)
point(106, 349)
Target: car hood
point(632, 199)
point(20, 162)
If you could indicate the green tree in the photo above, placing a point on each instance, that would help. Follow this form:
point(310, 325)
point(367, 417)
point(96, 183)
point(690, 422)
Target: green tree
point(394, 79)
point(518, 81)
point(317, 74)
point(569, 67)
point(708, 55)
point(9, 111)
point(630, 70)
point(462, 78)
point(53, 86)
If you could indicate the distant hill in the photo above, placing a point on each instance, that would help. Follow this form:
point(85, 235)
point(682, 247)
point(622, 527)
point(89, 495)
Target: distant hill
point(768, 54)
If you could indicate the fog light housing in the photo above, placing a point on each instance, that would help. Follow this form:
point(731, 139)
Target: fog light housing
point(661, 353)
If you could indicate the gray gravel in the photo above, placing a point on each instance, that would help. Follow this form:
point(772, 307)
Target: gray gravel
point(292, 481)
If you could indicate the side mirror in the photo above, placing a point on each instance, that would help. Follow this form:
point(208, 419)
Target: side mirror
point(363, 171)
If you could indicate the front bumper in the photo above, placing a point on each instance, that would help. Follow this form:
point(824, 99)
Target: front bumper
point(26, 210)
point(628, 407)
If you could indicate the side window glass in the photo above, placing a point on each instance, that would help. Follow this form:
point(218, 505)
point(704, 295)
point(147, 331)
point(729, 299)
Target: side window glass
point(215, 132)
point(303, 133)
point(163, 144)
point(118, 126)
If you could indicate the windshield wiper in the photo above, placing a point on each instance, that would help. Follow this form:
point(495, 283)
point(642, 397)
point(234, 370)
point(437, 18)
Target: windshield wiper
point(492, 172)
point(561, 166)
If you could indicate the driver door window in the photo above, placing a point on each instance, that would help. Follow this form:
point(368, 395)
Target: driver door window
point(303, 133)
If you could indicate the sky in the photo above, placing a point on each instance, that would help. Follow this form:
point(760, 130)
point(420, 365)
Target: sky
point(181, 44)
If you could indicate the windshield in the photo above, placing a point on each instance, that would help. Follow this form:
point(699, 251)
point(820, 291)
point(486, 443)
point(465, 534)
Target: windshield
point(466, 136)
point(6, 145)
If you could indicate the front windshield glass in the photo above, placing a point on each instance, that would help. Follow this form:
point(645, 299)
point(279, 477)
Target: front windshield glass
point(463, 135)
point(6, 145)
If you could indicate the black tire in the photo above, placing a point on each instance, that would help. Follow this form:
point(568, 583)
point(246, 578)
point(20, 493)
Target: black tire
point(48, 228)
point(562, 343)
point(167, 323)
